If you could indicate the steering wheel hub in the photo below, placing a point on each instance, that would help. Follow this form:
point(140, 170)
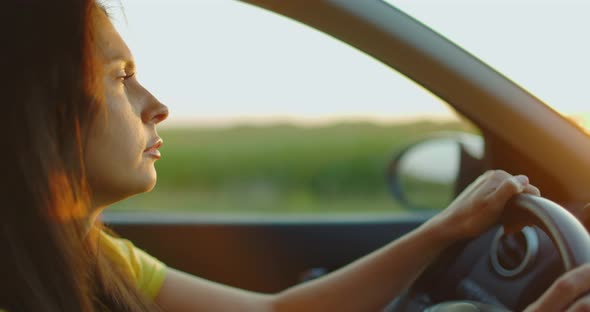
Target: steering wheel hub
point(511, 254)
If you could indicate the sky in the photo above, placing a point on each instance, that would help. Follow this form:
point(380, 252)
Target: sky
point(216, 62)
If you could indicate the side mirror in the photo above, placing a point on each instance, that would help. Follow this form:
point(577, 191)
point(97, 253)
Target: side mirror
point(429, 173)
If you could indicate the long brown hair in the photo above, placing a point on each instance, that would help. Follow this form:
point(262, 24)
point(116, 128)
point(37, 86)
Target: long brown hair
point(48, 97)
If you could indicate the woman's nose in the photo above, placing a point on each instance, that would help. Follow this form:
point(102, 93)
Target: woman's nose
point(155, 111)
point(161, 113)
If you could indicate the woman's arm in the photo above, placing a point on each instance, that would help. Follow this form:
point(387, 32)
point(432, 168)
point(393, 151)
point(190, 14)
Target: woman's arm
point(369, 283)
point(365, 285)
point(185, 292)
point(571, 292)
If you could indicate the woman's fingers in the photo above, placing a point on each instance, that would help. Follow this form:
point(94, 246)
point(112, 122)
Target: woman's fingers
point(581, 305)
point(480, 205)
point(508, 187)
point(564, 291)
point(533, 190)
point(513, 185)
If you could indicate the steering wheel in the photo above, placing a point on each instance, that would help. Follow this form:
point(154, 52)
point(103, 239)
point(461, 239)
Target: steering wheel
point(502, 270)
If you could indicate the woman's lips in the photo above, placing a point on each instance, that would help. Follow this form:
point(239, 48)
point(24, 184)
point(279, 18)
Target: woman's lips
point(154, 153)
point(153, 150)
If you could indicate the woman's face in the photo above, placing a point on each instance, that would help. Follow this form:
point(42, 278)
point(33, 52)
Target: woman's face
point(122, 145)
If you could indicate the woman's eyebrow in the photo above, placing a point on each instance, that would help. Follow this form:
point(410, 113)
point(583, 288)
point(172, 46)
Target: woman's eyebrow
point(128, 63)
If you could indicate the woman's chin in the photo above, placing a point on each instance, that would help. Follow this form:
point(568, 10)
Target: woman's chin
point(149, 181)
point(137, 188)
point(141, 183)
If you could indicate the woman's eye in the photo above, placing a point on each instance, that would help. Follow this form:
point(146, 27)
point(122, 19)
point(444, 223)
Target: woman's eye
point(125, 76)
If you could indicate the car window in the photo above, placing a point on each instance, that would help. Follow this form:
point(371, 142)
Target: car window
point(540, 44)
point(268, 115)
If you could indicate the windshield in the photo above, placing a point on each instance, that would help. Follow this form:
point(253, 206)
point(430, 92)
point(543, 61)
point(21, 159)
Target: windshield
point(542, 45)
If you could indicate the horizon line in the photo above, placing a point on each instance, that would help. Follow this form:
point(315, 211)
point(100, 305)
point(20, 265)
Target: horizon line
point(296, 120)
point(220, 121)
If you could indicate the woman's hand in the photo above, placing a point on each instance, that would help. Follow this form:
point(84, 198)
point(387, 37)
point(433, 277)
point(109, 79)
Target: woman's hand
point(570, 292)
point(480, 205)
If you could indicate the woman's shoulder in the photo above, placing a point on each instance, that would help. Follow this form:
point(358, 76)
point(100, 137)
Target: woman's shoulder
point(147, 271)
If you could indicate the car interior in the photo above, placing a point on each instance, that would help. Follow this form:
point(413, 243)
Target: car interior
point(497, 271)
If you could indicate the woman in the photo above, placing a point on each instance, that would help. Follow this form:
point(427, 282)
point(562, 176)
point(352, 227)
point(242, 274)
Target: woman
point(80, 134)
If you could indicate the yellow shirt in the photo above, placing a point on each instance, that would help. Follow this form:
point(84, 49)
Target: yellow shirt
point(147, 271)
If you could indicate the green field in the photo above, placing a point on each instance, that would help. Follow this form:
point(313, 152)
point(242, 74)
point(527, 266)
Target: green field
point(279, 169)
